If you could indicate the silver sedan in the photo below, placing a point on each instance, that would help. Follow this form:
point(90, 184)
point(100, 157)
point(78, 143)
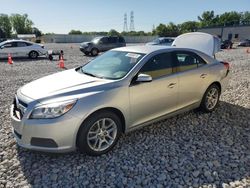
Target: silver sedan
point(89, 107)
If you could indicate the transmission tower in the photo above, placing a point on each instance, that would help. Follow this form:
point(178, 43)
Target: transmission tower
point(132, 24)
point(125, 23)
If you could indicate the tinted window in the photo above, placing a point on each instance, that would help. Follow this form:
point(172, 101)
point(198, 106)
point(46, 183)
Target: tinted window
point(112, 39)
point(21, 44)
point(159, 65)
point(188, 60)
point(104, 40)
point(10, 45)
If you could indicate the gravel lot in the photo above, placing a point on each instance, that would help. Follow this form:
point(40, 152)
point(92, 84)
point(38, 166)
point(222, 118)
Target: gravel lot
point(190, 150)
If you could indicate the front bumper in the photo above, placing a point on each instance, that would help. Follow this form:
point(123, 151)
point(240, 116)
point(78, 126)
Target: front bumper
point(84, 49)
point(56, 135)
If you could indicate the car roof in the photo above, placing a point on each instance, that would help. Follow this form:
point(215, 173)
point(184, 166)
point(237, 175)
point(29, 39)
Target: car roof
point(15, 40)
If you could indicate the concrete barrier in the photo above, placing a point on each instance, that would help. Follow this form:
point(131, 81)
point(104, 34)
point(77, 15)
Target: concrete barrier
point(63, 38)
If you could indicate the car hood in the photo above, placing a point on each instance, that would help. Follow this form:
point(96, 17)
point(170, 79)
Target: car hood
point(86, 43)
point(64, 83)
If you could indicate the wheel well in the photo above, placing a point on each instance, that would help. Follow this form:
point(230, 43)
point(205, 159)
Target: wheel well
point(109, 109)
point(218, 84)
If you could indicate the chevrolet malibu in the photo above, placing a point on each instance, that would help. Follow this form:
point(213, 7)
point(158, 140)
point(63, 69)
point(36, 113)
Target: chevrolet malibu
point(89, 107)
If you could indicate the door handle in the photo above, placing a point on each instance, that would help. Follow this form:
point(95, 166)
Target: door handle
point(203, 75)
point(171, 85)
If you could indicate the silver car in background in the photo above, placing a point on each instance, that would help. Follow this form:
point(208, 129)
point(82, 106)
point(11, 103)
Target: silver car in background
point(89, 107)
point(21, 48)
point(166, 41)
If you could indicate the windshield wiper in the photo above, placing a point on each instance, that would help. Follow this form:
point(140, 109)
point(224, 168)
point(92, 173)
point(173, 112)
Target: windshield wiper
point(90, 74)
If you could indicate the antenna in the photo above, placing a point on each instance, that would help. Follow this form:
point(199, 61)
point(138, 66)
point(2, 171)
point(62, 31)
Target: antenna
point(132, 24)
point(125, 24)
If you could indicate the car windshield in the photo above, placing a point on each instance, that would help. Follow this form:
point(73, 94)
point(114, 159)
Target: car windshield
point(96, 40)
point(112, 64)
point(156, 40)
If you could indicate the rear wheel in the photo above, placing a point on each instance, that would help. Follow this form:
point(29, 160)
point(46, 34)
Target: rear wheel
point(99, 133)
point(210, 99)
point(33, 54)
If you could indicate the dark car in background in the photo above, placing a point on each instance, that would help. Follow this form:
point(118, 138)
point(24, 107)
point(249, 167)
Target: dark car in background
point(167, 41)
point(226, 44)
point(101, 44)
point(245, 43)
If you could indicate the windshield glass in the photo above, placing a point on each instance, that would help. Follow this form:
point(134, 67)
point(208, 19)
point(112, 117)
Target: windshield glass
point(156, 40)
point(112, 64)
point(95, 40)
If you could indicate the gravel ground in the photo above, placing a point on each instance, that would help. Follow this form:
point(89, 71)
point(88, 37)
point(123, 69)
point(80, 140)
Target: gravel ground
point(190, 150)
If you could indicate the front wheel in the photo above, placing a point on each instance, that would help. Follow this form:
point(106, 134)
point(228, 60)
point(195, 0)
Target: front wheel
point(33, 54)
point(94, 52)
point(210, 99)
point(99, 133)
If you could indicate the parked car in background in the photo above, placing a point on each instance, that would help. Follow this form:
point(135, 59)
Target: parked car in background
point(101, 44)
point(166, 41)
point(245, 42)
point(226, 44)
point(90, 106)
point(21, 48)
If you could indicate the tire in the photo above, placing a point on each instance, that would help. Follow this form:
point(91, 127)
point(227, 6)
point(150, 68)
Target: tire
point(210, 99)
point(94, 139)
point(94, 52)
point(86, 53)
point(33, 55)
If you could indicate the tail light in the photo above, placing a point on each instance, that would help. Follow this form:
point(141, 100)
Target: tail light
point(227, 66)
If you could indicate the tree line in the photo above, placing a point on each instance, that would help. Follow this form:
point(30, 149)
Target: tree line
point(16, 24)
point(206, 19)
point(21, 24)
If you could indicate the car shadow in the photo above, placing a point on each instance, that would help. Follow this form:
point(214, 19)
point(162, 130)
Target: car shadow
point(191, 149)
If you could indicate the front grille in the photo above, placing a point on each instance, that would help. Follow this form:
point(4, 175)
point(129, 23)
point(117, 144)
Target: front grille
point(19, 108)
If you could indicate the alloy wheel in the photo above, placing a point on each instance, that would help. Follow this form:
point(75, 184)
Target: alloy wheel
point(212, 98)
point(102, 134)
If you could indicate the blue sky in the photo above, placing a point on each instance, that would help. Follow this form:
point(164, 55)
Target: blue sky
point(60, 16)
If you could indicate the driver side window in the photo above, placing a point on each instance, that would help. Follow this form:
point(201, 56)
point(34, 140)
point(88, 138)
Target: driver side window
point(158, 66)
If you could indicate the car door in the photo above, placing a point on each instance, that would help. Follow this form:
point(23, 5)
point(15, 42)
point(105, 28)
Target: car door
point(8, 48)
point(193, 77)
point(22, 49)
point(112, 42)
point(103, 44)
point(153, 99)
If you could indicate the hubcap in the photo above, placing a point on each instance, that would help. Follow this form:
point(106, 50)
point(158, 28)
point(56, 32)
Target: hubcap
point(94, 52)
point(102, 134)
point(33, 54)
point(212, 98)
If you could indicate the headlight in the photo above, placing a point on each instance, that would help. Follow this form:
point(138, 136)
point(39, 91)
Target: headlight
point(52, 110)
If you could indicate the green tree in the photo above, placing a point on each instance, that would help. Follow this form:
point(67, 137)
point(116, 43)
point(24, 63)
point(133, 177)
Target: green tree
point(5, 26)
point(189, 26)
point(229, 18)
point(207, 18)
point(36, 31)
point(245, 17)
point(75, 32)
point(21, 23)
point(172, 30)
point(161, 30)
point(113, 32)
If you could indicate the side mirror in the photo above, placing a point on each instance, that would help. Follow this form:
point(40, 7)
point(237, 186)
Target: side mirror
point(144, 78)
